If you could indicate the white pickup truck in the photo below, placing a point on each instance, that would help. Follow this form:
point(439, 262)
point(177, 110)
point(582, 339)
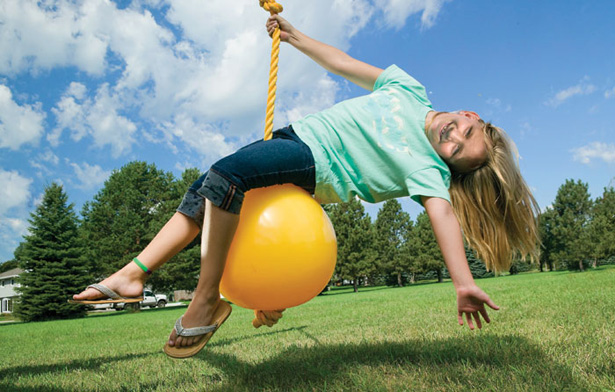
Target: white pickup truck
point(149, 299)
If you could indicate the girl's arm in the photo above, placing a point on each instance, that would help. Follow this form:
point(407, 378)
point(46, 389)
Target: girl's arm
point(471, 299)
point(330, 58)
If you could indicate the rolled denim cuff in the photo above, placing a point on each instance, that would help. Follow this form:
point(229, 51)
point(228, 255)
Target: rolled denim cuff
point(222, 192)
point(193, 206)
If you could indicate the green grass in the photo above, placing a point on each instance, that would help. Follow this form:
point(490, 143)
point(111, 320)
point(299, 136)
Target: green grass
point(555, 332)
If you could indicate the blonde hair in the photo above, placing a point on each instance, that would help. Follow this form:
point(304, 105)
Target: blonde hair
point(494, 205)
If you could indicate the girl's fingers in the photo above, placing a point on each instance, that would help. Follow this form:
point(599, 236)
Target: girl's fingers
point(483, 312)
point(469, 320)
point(492, 304)
point(479, 324)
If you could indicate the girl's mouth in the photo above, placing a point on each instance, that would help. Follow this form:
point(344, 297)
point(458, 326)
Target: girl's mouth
point(445, 131)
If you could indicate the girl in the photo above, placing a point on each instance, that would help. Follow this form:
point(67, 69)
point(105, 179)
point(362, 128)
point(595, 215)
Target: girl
point(389, 143)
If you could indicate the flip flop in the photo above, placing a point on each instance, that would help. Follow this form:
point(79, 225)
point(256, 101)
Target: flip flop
point(112, 297)
point(223, 310)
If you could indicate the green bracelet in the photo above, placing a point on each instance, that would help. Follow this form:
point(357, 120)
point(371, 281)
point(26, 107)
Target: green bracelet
point(142, 266)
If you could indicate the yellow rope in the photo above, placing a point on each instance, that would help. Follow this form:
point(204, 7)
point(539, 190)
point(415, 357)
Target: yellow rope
point(274, 8)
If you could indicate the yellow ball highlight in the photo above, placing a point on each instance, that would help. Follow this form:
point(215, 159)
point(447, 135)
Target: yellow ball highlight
point(283, 253)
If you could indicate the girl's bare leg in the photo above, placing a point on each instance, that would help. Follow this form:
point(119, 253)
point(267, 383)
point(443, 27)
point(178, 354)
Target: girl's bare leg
point(219, 227)
point(176, 234)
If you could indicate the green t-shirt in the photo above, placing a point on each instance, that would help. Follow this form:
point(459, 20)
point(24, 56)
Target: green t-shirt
point(375, 146)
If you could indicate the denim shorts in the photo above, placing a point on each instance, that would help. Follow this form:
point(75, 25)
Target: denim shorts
point(282, 160)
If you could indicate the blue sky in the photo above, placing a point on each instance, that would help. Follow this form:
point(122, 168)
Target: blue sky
point(87, 86)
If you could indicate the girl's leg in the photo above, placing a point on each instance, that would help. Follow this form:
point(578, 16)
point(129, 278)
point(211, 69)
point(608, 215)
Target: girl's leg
point(219, 227)
point(285, 159)
point(177, 233)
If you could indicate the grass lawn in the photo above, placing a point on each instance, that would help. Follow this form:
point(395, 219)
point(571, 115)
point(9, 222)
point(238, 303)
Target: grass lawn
point(555, 332)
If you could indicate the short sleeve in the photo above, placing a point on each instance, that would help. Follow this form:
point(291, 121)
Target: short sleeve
point(429, 183)
point(394, 75)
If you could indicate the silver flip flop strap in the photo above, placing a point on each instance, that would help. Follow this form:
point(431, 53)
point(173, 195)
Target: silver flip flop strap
point(105, 290)
point(196, 331)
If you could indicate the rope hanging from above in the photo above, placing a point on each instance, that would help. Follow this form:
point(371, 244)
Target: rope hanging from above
point(274, 8)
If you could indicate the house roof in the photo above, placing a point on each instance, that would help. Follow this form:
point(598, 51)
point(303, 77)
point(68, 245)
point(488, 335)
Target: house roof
point(12, 272)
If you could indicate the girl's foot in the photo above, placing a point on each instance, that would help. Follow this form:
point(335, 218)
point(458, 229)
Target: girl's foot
point(199, 314)
point(127, 282)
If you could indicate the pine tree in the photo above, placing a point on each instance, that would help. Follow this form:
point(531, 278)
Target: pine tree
point(477, 266)
point(356, 258)
point(572, 207)
point(50, 256)
point(429, 256)
point(601, 230)
point(546, 226)
point(393, 228)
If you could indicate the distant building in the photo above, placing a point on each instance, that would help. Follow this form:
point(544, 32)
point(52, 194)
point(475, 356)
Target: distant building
point(8, 283)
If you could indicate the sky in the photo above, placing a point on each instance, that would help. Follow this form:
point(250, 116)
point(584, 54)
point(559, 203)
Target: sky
point(88, 86)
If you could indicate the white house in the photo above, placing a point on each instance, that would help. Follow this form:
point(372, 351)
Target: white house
point(8, 283)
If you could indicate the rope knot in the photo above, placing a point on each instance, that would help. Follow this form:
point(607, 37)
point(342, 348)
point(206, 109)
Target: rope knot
point(271, 6)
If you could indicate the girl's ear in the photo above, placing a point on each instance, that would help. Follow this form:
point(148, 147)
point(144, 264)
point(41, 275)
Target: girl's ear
point(469, 114)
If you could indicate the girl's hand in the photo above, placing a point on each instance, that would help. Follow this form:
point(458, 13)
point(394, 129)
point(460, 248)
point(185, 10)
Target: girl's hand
point(471, 302)
point(286, 29)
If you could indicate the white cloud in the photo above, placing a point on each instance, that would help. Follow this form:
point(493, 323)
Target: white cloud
point(397, 11)
point(595, 150)
point(89, 176)
point(609, 93)
point(18, 124)
point(12, 231)
point(14, 199)
point(42, 35)
point(44, 163)
point(14, 190)
point(525, 128)
point(98, 117)
point(202, 138)
point(581, 88)
point(497, 105)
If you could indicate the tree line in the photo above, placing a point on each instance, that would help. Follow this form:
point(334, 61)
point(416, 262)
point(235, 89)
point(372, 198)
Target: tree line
point(64, 252)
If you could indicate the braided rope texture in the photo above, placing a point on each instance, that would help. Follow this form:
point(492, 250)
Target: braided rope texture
point(274, 8)
point(271, 6)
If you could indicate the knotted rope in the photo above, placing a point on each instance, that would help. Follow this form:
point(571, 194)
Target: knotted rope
point(265, 317)
point(274, 8)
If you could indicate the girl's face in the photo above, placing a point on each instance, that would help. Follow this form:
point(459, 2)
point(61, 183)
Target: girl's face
point(458, 138)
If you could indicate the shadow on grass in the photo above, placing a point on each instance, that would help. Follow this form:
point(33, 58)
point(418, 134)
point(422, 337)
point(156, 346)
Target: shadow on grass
point(226, 342)
point(448, 363)
point(445, 364)
point(95, 364)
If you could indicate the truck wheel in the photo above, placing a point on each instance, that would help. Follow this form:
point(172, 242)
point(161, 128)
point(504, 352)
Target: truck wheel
point(161, 304)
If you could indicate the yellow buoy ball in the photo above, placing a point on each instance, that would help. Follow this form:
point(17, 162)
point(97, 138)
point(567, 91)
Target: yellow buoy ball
point(283, 253)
